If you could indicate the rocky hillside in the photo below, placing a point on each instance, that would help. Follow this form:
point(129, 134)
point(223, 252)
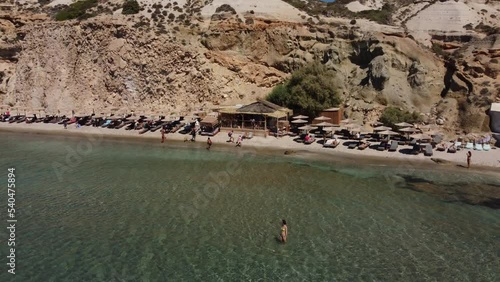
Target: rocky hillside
point(179, 56)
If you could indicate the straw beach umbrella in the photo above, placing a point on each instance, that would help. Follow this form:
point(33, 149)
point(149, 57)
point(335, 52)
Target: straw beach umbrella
point(300, 117)
point(377, 123)
point(361, 130)
point(323, 124)
point(22, 110)
point(39, 110)
point(308, 127)
point(329, 129)
point(350, 126)
point(388, 132)
point(322, 118)
point(427, 127)
point(408, 130)
point(403, 124)
point(298, 121)
point(421, 136)
point(382, 128)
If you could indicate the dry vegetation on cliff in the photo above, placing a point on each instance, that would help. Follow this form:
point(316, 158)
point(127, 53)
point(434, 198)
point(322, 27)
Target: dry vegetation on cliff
point(172, 55)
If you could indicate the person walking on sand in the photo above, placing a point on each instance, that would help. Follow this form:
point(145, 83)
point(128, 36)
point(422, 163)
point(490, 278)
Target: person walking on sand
point(238, 142)
point(209, 143)
point(193, 134)
point(230, 135)
point(163, 135)
point(284, 231)
point(65, 123)
point(469, 155)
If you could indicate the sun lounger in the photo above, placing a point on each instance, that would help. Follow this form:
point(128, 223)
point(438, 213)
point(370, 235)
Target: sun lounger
point(452, 149)
point(331, 143)
point(486, 147)
point(352, 145)
point(107, 123)
point(437, 139)
point(479, 147)
point(428, 150)
point(416, 149)
point(310, 141)
point(469, 146)
point(381, 146)
point(394, 146)
point(441, 147)
point(363, 145)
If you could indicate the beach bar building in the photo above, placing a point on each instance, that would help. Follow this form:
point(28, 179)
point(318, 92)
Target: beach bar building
point(258, 117)
point(495, 117)
point(335, 115)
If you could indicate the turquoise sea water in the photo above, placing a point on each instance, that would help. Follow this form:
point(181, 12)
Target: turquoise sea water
point(118, 211)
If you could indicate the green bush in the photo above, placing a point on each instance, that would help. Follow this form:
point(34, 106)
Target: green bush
point(130, 7)
point(77, 10)
point(383, 16)
point(309, 90)
point(392, 115)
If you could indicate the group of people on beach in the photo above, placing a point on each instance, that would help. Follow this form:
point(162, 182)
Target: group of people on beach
point(231, 138)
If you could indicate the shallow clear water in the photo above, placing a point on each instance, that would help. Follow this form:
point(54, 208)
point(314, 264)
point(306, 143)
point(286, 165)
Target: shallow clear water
point(130, 211)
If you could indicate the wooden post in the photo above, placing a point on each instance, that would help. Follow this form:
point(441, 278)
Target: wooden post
point(265, 126)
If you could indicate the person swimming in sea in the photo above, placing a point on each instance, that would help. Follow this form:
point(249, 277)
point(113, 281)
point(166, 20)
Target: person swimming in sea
point(284, 231)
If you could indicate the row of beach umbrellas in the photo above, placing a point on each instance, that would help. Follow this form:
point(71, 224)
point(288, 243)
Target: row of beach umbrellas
point(404, 127)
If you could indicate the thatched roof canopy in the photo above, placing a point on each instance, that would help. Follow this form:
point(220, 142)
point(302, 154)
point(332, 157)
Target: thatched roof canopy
point(209, 120)
point(260, 107)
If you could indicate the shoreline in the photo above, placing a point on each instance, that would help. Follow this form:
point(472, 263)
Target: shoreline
point(481, 161)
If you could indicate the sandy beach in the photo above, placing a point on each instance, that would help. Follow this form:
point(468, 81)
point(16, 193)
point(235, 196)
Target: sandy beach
point(481, 160)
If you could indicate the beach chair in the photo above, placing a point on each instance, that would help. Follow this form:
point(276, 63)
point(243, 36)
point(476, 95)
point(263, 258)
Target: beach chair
point(458, 145)
point(381, 146)
point(436, 140)
point(479, 147)
point(428, 150)
point(469, 146)
point(107, 123)
point(486, 147)
point(416, 149)
point(352, 145)
point(452, 149)
point(394, 146)
point(311, 139)
point(441, 147)
point(331, 143)
point(363, 145)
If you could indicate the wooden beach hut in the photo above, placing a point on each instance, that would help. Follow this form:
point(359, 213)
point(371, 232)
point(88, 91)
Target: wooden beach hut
point(259, 116)
point(210, 126)
point(495, 117)
point(335, 115)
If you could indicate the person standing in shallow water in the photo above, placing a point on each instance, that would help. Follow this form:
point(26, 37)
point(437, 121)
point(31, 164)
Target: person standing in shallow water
point(469, 155)
point(284, 231)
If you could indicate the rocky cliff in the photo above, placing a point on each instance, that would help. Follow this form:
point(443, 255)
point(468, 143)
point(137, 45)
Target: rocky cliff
point(234, 56)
